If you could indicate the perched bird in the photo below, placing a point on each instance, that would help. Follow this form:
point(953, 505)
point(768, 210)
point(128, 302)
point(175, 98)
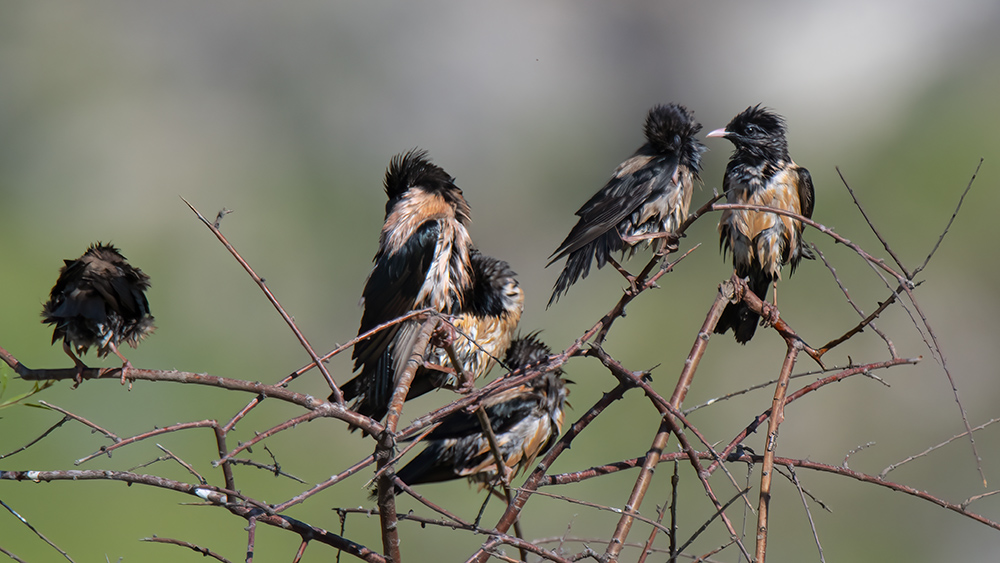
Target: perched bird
point(423, 261)
point(760, 172)
point(99, 300)
point(483, 329)
point(526, 420)
point(648, 193)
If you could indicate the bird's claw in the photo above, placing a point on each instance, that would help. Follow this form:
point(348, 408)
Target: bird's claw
point(126, 367)
point(443, 336)
point(769, 315)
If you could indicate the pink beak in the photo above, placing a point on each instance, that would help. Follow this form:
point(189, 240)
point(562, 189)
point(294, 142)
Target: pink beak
point(718, 133)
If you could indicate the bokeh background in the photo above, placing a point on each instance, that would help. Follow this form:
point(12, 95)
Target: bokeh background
point(288, 113)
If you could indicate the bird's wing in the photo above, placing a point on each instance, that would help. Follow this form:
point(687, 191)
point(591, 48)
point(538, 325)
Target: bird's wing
point(390, 293)
point(504, 410)
point(632, 184)
point(807, 196)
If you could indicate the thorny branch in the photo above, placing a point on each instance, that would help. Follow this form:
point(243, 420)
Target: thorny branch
point(673, 421)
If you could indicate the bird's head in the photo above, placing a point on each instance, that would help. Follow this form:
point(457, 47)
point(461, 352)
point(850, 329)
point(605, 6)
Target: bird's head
point(672, 128)
point(757, 130)
point(495, 290)
point(411, 172)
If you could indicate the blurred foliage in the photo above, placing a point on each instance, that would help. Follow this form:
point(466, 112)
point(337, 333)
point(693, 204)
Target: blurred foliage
point(288, 114)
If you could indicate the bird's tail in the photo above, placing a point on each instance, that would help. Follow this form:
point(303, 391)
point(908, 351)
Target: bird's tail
point(577, 266)
point(739, 317)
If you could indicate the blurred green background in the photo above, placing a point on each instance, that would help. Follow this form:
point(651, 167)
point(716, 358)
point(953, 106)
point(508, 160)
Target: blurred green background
point(288, 114)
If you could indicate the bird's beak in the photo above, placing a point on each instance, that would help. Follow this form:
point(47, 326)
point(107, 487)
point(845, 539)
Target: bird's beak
point(718, 133)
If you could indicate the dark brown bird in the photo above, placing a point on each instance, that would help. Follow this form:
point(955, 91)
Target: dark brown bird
point(760, 172)
point(482, 330)
point(423, 261)
point(526, 420)
point(648, 193)
point(99, 300)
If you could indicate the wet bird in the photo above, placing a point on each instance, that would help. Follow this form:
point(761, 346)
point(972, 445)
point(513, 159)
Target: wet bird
point(423, 261)
point(482, 330)
point(648, 193)
point(526, 420)
point(760, 172)
point(98, 300)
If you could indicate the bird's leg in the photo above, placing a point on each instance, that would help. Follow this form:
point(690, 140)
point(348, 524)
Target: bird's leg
point(80, 366)
point(126, 365)
point(770, 310)
point(632, 289)
point(670, 244)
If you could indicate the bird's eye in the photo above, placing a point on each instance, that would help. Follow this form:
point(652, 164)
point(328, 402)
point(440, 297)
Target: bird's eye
point(753, 129)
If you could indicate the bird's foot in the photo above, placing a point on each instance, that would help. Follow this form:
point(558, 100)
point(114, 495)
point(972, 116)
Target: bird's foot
point(769, 314)
point(443, 336)
point(126, 367)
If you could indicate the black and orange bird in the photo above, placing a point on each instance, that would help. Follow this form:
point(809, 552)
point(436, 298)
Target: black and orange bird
point(423, 261)
point(760, 172)
point(526, 420)
point(648, 193)
point(483, 329)
point(98, 300)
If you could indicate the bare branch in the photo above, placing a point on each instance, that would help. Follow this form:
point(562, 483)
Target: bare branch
point(947, 227)
point(274, 301)
point(202, 550)
point(40, 535)
point(872, 226)
point(64, 420)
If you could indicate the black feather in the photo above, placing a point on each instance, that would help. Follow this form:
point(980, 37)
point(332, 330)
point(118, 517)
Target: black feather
point(661, 170)
point(760, 168)
point(99, 300)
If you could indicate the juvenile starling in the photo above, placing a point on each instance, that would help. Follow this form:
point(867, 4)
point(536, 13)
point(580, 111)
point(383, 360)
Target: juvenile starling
point(760, 172)
point(526, 420)
point(648, 193)
point(423, 261)
point(99, 300)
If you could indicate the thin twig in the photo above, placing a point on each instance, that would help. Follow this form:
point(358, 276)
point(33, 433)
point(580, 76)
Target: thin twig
point(339, 398)
point(893, 466)
point(805, 504)
point(120, 443)
point(866, 321)
point(531, 485)
point(275, 469)
point(947, 227)
point(183, 464)
point(663, 434)
point(872, 226)
point(711, 519)
point(109, 434)
point(66, 418)
point(260, 436)
point(301, 497)
point(202, 550)
point(245, 508)
point(36, 532)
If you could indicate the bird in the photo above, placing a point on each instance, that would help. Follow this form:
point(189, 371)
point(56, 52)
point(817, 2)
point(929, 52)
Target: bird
point(98, 300)
point(526, 420)
point(760, 172)
point(423, 261)
point(481, 332)
point(650, 192)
